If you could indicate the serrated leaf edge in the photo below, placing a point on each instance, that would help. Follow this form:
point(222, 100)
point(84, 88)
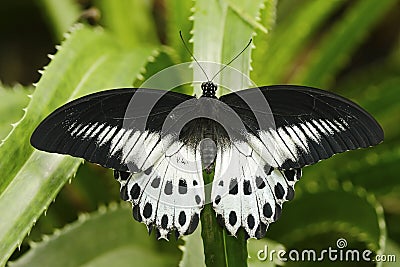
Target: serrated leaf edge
point(41, 72)
point(82, 218)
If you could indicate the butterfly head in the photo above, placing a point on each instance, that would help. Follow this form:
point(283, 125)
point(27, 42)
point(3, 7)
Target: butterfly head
point(209, 88)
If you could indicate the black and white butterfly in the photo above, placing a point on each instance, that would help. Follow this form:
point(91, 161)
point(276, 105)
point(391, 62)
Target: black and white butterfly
point(159, 143)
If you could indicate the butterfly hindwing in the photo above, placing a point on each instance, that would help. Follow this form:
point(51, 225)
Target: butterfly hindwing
point(308, 124)
point(170, 195)
point(110, 128)
point(247, 192)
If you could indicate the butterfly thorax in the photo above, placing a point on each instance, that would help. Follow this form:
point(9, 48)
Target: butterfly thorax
point(203, 128)
point(209, 88)
point(208, 134)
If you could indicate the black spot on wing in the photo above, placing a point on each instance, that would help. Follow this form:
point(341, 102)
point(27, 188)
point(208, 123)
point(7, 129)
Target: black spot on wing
point(233, 187)
point(147, 211)
point(250, 221)
point(194, 222)
point(278, 212)
point(168, 188)
point(135, 191)
point(247, 187)
point(136, 213)
point(279, 191)
point(124, 193)
point(267, 210)
point(217, 199)
point(232, 218)
point(261, 230)
point(197, 198)
point(182, 186)
point(290, 193)
point(182, 218)
point(260, 182)
point(156, 182)
point(164, 221)
point(289, 174)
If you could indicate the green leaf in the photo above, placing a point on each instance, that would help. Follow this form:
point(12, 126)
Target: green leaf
point(60, 14)
point(392, 249)
point(320, 208)
point(130, 20)
point(331, 55)
point(152, 75)
point(262, 40)
point(232, 25)
point(178, 13)
point(365, 168)
point(88, 61)
point(192, 250)
point(13, 100)
point(275, 60)
point(108, 237)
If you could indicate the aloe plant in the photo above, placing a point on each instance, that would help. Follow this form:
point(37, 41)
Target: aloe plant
point(353, 196)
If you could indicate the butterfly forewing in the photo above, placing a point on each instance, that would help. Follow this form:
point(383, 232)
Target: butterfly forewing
point(308, 124)
point(117, 129)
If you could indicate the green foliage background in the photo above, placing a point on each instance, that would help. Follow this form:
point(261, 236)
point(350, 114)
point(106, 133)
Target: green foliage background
point(350, 47)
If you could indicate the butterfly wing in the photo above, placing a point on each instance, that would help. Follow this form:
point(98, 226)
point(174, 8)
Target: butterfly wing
point(308, 124)
point(124, 129)
point(117, 129)
point(170, 195)
point(287, 128)
point(247, 192)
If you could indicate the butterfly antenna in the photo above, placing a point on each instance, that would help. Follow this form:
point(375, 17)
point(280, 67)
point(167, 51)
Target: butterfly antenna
point(233, 59)
point(187, 48)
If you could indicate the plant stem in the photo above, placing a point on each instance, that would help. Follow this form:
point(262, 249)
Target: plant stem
point(220, 249)
point(211, 232)
point(236, 249)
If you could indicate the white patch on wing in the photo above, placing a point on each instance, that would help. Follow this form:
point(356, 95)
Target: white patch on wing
point(159, 149)
point(326, 127)
point(130, 144)
point(314, 132)
point(100, 138)
point(288, 143)
point(95, 132)
point(116, 140)
point(123, 140)
point(76, 129)
point(90, 130)
point(109, 135)
point(82, 130)
point(298, 137)
point(333, 126)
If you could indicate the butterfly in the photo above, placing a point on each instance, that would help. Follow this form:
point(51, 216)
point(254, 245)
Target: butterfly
point(256, 141)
